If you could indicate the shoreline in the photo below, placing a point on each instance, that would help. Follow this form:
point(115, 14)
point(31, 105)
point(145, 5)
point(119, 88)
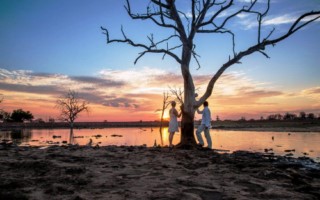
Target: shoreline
point(278, 126)
point(137, 172)
point(272, 129)
point(253, 129)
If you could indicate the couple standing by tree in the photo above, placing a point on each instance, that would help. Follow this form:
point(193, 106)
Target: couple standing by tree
point(204, 126)
point(207, 17)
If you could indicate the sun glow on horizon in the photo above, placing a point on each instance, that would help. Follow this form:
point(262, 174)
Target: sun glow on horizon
point(166, 115)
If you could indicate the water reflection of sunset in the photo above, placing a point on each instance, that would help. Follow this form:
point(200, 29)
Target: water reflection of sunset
point(301, 142)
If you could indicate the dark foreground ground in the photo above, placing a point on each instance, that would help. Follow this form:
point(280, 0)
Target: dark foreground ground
point(74, 172)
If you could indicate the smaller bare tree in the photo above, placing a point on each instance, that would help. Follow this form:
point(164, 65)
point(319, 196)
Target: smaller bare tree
point(70, 106)
point(3, 115)
point(165, 104)
point(178, 94)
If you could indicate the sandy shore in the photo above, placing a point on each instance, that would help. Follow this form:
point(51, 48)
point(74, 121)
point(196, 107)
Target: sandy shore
point(74, 172)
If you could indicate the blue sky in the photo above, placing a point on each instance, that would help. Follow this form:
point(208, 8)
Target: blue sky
point(59, 37)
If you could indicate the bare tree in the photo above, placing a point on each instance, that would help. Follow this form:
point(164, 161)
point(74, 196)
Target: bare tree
point(206, 17)
point(178, 94)
point(165, 104)
point(1, 99)
point(71, 106)
point(5, 116)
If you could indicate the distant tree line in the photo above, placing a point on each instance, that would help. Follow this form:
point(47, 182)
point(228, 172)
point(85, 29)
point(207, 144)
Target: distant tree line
point(282, 117)
point(18, 115)
point(291, 116)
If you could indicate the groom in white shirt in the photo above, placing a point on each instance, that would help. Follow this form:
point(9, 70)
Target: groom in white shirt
point(205, 125)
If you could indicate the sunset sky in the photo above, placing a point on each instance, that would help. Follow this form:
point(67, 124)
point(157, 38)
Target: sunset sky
point(48, 47)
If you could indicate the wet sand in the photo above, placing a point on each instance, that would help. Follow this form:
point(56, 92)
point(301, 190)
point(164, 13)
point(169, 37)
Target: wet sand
point(74, 172)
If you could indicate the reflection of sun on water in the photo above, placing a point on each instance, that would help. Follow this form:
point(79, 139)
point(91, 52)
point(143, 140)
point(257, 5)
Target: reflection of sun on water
point(165, 136)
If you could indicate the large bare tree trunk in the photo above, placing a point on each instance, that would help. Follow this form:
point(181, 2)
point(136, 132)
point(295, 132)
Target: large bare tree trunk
point(187, 131)
point(187, 123)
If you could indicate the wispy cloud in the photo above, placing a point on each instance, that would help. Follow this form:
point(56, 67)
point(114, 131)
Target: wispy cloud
point(283, 19)
point(312, 91)
point(249, 21)
point(120, 102)
point(97, 81)
point(42, 89)
point(237, 5)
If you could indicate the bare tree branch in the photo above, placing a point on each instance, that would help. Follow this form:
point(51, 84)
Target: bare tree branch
point(298, 24)
point(70, 106)
point(151, 15)
point(195, 55)
point(165, 104)
point(178, 93)
point(295, 26)
point(148, 49)
point(211, 21)
point(263, 53)
point(165, 11)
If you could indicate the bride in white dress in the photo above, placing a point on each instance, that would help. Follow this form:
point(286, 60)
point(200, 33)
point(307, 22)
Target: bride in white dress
point(173, 123)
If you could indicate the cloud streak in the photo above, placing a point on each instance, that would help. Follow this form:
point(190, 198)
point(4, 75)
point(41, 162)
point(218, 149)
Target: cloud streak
point(42, 89)
point(249, 21)
point(97, 81)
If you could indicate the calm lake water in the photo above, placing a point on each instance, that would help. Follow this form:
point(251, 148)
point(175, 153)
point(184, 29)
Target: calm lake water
point(303, 143)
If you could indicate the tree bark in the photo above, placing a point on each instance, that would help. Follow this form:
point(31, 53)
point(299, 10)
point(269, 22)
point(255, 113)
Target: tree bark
point(187, 140)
